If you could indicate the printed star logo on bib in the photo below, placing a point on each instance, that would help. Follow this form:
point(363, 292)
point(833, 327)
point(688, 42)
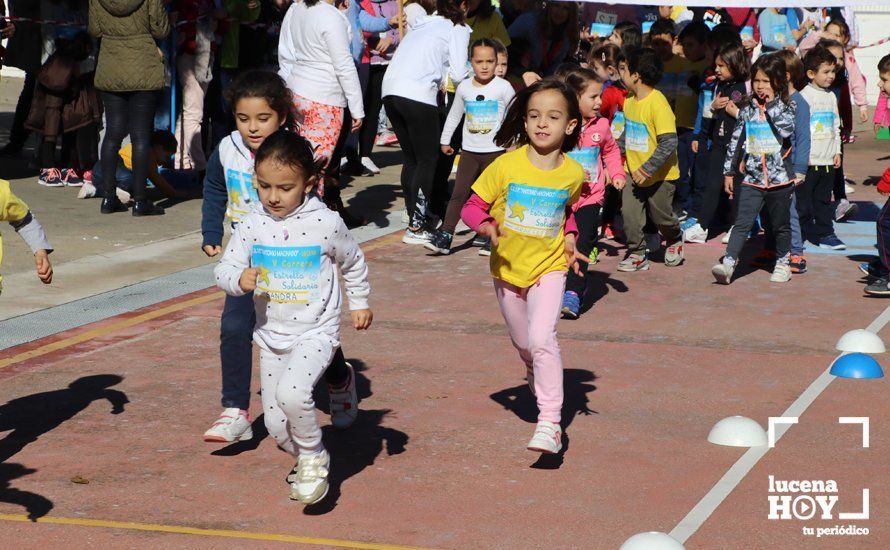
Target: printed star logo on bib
point(263, 277)
point(234, 196)
point(517, 211)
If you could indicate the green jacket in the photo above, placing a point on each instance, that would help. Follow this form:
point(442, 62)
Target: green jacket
point(129, 59)
point(231, 39)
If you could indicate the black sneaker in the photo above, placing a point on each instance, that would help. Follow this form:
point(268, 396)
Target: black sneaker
point(881, 287)
point(440, 243)
point(485, 250)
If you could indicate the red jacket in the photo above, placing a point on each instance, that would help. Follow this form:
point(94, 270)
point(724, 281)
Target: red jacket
point(613, 100)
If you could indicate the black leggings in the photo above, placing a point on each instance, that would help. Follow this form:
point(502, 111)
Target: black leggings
point(373, 104)
point(588, 219)
point(416, 125)
point(128, 113)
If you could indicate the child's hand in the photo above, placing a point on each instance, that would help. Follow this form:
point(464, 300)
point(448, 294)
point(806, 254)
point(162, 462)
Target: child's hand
point(799, 179)
point(447, 150)
point(728, 185)
point(639, 177)
point(837, 161)
point(732, 109)
point(863, 113)
point(362, 318)
point(719, 102)
point(383, 45)
point(619, 183)
point(397, 21)
point(530, 78)
point(44, 268)
point(490, 230)
point(573, 256)
point(695, 146)
point(247, 282)
point(211, 251)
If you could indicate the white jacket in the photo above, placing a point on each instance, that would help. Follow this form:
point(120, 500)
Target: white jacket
point(298, 291)
point(825, 125)
point(434, 48)
point(315, 59)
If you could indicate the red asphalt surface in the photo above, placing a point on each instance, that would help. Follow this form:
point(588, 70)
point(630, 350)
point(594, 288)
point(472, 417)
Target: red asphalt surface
point(437, 457)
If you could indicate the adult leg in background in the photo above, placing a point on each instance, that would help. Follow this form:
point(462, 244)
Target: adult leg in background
point(141, 107)
point(117, 124)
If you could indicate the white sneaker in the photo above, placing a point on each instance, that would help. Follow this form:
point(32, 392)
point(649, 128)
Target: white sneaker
point(723, 273)
point(369, 165)
point(674, 256)
point(344, 402)
point(309, 479)
point(232, 425)
point(725, 239)
point(87, 191)
point(849, 189)
point(696, 234)
point(461, 228)
point(781, 273)
point(421, 236)
point(547, 438)
point(122, 195)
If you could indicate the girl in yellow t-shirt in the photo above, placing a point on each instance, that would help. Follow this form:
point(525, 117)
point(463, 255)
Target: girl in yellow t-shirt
point(523, 203)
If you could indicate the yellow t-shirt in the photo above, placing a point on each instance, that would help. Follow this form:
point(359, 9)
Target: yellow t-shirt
point(644, 120)
point(12, 209)
point(529, 205)
point(674, 85)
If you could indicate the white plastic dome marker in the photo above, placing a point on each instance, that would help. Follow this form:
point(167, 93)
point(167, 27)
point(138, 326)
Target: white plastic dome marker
point(861, 341)
point(738, 431)
point(653, 540)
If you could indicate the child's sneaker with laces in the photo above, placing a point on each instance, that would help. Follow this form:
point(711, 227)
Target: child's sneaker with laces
point(309, 478)
point(571, 305)
point(440, 243)
point(673, 256)
point(634, 262)
point(880, 287)
point(781, 273)
point(763, 258)
point(232, 425)
point(416, 236)
point(798, 264)
point(722, 272)
point(845, 210)
point(344, 402)
point(546, 439)
point(831, 242)
point(50, 177)
point(70, 178)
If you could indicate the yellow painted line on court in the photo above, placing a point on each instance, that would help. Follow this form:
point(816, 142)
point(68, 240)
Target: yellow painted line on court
point(225, 533)
point(102, 331)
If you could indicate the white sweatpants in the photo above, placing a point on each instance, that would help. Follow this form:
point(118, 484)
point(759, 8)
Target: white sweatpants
point(288, 379)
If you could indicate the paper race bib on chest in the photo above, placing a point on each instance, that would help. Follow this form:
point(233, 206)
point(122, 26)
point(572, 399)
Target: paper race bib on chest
point(707, 99)
point(588, 158)
point(761, 140)
point(779, 34)
point(617, 126)
point(241, 191)
point(535, 211)
point(482, 116)
point(288, 274)
point(637, 137)
point(822, 125)
point(747, 33)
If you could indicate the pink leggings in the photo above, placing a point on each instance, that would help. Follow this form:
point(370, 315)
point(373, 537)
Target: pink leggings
point(531, 315)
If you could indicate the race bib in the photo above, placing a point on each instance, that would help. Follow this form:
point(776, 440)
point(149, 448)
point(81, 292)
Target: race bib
point(707, 98)
point(779, 35)
point(636, 137)
point(482, 116)
point(647, 26)
point(241, 192)
point(747, 33)
point(588, 158)
point(288, 274)
point(822, 125)
point(601, 30)
point(617, 126)
point(761, 140)
point(535, 211)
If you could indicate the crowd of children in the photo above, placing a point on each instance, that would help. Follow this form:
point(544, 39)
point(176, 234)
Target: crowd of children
point(672, 127)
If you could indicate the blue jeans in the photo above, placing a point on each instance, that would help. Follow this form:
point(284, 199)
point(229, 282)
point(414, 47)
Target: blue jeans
point(236, 350)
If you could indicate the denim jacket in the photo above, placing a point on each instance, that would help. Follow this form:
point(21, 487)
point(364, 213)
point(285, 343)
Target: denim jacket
point(761, 141)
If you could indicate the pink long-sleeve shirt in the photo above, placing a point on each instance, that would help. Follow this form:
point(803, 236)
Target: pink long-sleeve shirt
point(597, 145)
point(857, 79)
point(476, 212)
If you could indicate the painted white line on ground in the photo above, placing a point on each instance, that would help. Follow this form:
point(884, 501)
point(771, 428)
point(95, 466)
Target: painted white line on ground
point(737, 472)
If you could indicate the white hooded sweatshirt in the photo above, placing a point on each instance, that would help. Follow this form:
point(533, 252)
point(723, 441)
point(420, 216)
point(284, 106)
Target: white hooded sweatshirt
point(298, 290)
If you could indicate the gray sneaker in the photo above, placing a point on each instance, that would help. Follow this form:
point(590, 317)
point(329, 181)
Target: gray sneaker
point(722, 272)
point(845, 210)
point(634, 262)
point(417, 236)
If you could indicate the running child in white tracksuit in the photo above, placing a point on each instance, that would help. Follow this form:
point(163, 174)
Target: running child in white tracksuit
point(287, 252)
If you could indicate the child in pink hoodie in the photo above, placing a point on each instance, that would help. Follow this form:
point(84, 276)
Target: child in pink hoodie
point(598, 153)
point(882, 113)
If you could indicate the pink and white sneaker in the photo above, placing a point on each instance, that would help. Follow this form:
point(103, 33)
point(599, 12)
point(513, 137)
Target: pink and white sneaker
point(232, 425)
point(70, 178)
point(50, 177)
point(547, 438)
